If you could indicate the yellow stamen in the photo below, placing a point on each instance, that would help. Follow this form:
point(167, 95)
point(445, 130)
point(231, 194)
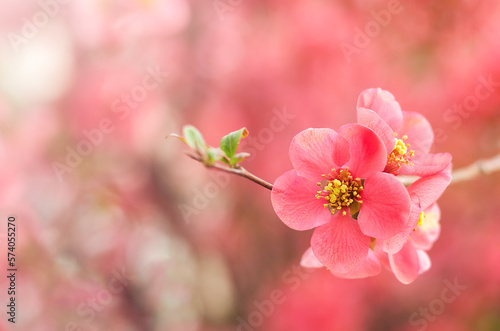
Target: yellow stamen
point(341, 190)
point(401, 154)
point(421, 218)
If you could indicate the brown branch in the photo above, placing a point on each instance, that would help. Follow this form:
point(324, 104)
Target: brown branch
point(237, 170)
point(480, 167)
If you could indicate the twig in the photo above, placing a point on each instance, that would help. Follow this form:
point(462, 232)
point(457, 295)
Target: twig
point(238, 170)
point(485, 166)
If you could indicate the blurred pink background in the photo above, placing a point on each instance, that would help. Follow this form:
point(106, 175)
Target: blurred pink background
point(118, 230)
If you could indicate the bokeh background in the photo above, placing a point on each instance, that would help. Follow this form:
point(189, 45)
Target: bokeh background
point(119, 230)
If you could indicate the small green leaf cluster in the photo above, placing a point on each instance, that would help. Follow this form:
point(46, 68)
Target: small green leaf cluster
point(210, 155)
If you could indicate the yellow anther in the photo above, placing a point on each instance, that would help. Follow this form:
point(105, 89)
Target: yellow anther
point(399, 155)
point(421, 218)
point(342, 191)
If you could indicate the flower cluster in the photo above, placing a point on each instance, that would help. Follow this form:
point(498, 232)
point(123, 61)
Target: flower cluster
point(346, 185)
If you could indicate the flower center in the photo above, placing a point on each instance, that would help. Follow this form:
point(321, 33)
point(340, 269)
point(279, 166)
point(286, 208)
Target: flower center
point(401, 154)
point(340, 190)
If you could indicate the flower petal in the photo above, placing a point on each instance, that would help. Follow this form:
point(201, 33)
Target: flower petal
point(429, 189)
point(384, 104)
point(382, 256)
point(426, 164)
point(371, 120)
point(314, 152)
point(293, 200)
point(309, 260)
point(419, 132)
point(424, 261)
point(368, 152)
point(394, 244)
point(370, 267)
point(339, 245)
point(427, 233)
point(405, 263)
point(386, 206)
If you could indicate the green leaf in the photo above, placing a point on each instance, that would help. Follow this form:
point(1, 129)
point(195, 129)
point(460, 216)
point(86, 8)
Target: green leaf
point(194, 139)
point(214, 154)
point(229, 143)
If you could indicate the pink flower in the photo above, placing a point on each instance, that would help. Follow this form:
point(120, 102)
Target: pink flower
point(412, 260)
point(406, 264)
point(404, 253)
point(337, 186)
point(407, 136)
point(423, 193)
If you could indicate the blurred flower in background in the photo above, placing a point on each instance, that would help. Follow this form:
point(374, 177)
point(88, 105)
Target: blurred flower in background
point(118, 230)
